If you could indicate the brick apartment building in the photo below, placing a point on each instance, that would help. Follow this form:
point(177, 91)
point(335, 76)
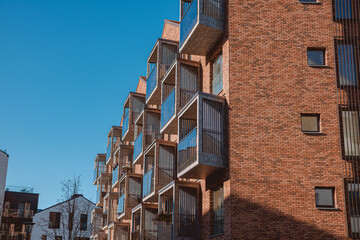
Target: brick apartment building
point(245, 127)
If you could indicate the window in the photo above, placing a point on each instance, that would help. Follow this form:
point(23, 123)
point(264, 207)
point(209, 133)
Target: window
point(346, 64)
point(58, 237)
point(307, 1)
point(324, 197)
point(54, 220)
point(43, 237)
point(83, 222)
point(218, 211)
point(316, 57)
point(343, 9)
point(350, 132)
point(354, 201)
point(217, 67)
point(310, 123)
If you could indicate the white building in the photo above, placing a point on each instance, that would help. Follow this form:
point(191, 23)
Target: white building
point(54, 222)
point(4, 158)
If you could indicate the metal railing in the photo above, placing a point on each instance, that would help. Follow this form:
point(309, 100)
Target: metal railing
point(212, 8)
point(138, 145)
point(188, 225)
point(168, 108)
point(148, 182)
point(187, 150)
point(18, 213)
point(188, 21)
point(151, 82)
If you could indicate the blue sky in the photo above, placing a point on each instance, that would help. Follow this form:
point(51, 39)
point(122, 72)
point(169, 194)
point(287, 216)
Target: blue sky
point(66, 68)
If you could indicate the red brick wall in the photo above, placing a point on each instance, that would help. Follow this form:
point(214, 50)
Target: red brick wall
point(274, 167)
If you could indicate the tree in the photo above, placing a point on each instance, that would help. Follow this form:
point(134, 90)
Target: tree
point(69, 218)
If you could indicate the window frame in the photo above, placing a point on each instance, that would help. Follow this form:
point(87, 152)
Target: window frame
point(317, 49)
point(332, 195)
point(317, 115)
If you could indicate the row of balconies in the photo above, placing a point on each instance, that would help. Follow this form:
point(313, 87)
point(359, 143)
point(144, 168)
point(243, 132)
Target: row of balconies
point(173, 131)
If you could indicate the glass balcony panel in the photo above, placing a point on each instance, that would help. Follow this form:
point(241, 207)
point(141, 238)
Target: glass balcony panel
point(187, 150)
point(148, 182)
point(151, 82)
point(138, 146)
point(115, 175)
point(125, 126)
point(121, 204)
point(168, 108)
point(98, 195)
point(108, 152)
point(188, 21)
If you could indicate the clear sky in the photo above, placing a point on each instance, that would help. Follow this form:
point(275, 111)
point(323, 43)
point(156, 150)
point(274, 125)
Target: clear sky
point(66, 68)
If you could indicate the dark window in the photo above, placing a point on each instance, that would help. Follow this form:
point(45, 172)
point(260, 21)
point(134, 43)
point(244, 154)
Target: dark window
point(83, 222)
point(218, 210)
point(343, 9)
point(58, 237)
point(217, 81)
point(310, 122)
point(350, 135)
point(316, 57)
point(346, 64)
point(54, 220)
point(324, 197)
point(308, 1)
point(354, 201)
point(43, 237)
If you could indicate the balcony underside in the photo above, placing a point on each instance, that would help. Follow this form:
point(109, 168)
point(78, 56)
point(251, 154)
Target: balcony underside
point(201, 40)
point(129, 135)
point(171, 127)
point(155, 97)
point(196, 171)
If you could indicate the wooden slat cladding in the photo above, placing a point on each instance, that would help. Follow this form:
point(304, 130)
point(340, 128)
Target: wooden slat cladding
point(346, 42)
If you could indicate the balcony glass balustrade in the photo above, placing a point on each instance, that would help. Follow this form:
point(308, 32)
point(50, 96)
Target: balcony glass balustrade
point(168, 108)
point(121, 204)
point(188, 21)
point(187, 150)
point(151, 82)
point(108, 152)
point(138, 145)
point(98, 195)
point(125, 125)
point(148, 182)
point(115, 175)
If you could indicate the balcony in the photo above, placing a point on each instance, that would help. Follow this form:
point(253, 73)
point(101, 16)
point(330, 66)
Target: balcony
point(122, 164)
point(201, 147)
point(179, 85)
point(129, 195)
point(99, 167)
point(100, 194)
point(161, 58)
point(122, 231)
point(96, 220)
point(148, 124)
point(179, 208)
point(202, 25)
point(114, 140)
point(143, 226)
point(159, 168)
point(18, 213)
point(133, 106)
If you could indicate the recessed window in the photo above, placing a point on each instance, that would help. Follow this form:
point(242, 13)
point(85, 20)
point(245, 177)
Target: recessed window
point(307, 1)
point(83, 222)
point(316, 57)
point(310, 123)
point(218, 211)
point(343, 9)
point(217, 83)
point(54, 219)
point(324, 197)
